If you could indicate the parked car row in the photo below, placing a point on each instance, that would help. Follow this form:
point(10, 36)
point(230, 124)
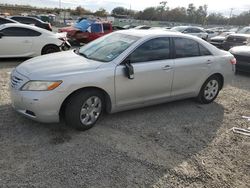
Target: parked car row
point(22, 36)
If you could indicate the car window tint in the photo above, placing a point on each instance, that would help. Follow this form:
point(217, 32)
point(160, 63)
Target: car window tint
point(196, 30)
point(186, 48)
point(19, 32)
point(4, 21)
point(106, 27)
point(188, 30)
point(204, 51)
point(155, 49)
point(25, 20)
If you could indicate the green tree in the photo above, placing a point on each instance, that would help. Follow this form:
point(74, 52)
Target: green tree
point(101, 12)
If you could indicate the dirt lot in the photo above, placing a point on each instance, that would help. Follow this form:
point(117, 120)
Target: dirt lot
point(179, 144)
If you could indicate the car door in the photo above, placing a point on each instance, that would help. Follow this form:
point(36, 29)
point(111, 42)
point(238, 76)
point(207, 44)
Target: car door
point(153, 74)
point(16, 41)
point(193, 63)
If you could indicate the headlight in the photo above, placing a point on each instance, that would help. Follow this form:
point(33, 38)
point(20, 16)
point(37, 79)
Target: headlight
point(40, 85)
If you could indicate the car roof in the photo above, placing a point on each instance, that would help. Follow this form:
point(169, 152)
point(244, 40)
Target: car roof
point(41, 30)
point(190, 27)
point(34, 18)
point(147, 34)
point(150, 32)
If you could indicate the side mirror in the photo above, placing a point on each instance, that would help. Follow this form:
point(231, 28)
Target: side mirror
point(1, 35)
point(129, 70)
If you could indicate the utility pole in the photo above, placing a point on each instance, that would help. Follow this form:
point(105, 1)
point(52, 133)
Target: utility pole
point(60, 4)
point(230, 16)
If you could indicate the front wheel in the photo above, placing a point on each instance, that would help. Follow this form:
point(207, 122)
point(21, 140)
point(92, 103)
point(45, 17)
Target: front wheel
point(210, 90)
point(50, 49)
point(84, 109)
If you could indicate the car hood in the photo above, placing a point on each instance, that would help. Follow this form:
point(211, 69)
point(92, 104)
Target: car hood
point(239, 35)
point(241, 50)
point(218, 38)
point(56, 65)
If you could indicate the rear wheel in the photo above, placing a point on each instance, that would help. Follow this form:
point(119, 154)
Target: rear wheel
point(50, 49)
point(84, 109)
point(210, 90)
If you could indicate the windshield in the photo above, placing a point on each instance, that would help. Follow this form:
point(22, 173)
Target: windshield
point(107, 48)
point(245, 30)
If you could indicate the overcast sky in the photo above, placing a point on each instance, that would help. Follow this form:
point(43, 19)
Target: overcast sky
point(222, 6)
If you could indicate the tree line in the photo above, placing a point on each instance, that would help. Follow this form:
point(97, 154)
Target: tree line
point(191, 14)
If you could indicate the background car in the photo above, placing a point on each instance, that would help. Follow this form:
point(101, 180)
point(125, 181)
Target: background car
point(191, 30)
point(32, 21)
point(124, 70)
point(242, 55)
point(218, 40)
point(86, 31)
point(6, 20)
point(20, 40)
point(142, 27)
point(240, 38)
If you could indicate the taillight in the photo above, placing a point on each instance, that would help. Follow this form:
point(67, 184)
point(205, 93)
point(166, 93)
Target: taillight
point(233, 61)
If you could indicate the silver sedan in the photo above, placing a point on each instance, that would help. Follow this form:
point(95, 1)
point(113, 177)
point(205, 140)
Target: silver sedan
point(120, 71)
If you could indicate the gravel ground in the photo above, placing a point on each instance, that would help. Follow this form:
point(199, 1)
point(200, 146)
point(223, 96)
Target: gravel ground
point(179, 144)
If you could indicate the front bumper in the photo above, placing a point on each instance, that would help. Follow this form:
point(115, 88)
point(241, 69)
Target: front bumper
point(40, 106)
point(43, 106)
point(228, 45)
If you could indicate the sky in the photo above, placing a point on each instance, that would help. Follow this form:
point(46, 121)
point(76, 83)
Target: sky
point(219, 6)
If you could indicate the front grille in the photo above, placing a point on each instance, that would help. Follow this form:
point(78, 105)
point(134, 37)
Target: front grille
point(214, 40)
point(16, 81)
point(242, 58)
point(236, 39)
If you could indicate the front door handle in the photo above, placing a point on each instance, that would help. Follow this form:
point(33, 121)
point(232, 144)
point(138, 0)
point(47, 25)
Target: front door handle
point(167, 67)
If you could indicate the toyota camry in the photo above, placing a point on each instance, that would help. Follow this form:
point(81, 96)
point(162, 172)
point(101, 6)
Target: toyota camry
point(120, 71)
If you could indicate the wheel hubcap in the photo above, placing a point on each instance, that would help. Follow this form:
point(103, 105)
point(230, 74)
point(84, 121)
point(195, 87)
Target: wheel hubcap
point(91, 110)
point(211, 89)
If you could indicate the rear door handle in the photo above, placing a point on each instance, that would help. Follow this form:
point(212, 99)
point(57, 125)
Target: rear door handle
point(209, 62)
point(167, 67)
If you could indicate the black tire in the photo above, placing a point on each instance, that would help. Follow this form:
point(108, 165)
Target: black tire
point(50, 49)
point(75, 105)
point(205, 98)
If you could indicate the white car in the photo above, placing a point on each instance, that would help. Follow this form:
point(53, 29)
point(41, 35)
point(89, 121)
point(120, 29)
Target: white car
point(192, 30)
point(20, 40)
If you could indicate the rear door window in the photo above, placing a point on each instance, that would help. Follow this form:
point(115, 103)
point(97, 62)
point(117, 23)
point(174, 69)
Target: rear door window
point(186, 48)
point(204, 51)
